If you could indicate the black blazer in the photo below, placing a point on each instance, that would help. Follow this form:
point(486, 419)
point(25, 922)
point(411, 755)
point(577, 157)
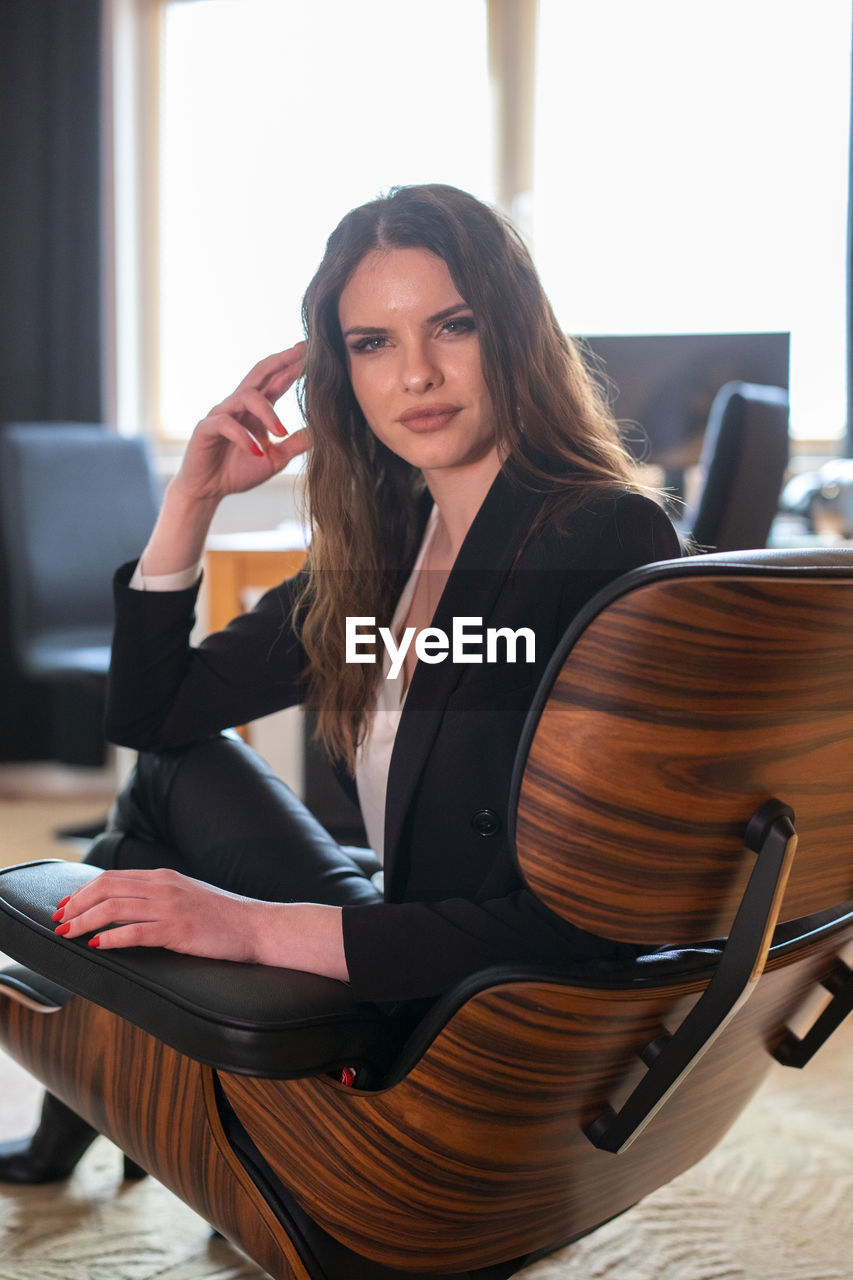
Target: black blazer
point(455, 901)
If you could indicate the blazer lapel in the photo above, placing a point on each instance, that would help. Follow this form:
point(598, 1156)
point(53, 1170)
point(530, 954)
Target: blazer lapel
point(480, 570)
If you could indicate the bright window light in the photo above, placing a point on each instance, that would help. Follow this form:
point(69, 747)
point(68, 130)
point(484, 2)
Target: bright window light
point(691, 175)
point(276, 119)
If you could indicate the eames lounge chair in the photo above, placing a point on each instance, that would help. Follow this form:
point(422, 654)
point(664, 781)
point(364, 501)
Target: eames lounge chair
point(684, 784)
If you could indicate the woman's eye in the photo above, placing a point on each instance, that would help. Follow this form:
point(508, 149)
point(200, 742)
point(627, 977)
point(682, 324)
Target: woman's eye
point(459, 324)
point(368, 343)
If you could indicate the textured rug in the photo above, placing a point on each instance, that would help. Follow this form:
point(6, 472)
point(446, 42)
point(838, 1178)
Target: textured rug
point(772, 1202)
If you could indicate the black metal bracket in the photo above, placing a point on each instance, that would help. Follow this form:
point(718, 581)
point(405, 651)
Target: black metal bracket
point(795, 1052)
point(770, 833)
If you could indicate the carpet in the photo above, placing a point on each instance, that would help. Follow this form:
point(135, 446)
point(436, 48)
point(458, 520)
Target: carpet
point(772, 1202)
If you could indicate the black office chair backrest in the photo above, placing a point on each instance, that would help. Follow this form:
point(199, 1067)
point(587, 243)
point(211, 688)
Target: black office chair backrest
point(75, 501)
point(744, 456)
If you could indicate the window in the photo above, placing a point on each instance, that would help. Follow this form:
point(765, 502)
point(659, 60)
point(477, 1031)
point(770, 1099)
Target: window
point(276, 119)
point(690, 169)
point(691, 176)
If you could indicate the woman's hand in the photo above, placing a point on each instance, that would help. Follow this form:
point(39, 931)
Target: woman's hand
point(166, 909)
point(231, 449)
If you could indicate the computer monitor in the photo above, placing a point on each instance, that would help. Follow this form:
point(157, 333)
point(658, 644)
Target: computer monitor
point(666, 382)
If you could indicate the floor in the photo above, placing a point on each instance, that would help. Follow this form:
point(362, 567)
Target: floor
point(38, 801)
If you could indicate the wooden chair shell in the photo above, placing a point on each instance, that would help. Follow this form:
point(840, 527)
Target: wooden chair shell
point(680, 709)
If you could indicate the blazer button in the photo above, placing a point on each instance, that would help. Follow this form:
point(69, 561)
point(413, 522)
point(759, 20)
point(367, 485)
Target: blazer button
point(486, 822)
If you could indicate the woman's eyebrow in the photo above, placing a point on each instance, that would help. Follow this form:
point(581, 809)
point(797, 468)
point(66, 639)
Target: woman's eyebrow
point(364, 329)
point(373, 330)
point(448, 311)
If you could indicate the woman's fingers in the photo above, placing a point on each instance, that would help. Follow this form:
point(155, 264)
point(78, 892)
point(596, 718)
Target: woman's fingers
point(250, 407)
point(274, 374)
point(159, 909)
point(111, 911)
point(211, 467)
point(284, 451)
point(279, 383)
point(111, 896)
point(281, 451)
point(131, 935)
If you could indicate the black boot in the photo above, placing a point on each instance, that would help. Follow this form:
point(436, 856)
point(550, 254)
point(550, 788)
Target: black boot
point(51, 1153)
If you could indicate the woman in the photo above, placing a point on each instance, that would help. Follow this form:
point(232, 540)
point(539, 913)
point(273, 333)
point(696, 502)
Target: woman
point(462, 467)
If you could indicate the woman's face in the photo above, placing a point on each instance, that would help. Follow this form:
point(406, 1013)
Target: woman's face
point(414, 360)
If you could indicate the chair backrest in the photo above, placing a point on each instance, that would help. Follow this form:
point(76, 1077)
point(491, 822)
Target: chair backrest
point(75, 501)
point(744, 456)
point(702, 689)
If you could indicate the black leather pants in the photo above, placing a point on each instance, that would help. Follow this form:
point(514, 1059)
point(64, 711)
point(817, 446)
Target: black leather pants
point(214, 810)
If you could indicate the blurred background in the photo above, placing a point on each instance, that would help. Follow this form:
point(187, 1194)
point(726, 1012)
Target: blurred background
point(171, 169)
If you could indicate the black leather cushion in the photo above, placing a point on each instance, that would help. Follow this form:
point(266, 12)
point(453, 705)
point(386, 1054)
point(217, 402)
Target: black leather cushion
point(246, 1018)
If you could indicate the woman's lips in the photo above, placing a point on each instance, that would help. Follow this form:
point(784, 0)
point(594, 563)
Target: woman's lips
point(428, 417)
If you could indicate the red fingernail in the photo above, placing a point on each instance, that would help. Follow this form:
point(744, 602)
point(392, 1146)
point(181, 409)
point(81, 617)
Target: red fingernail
point(94, 942)
point(58, 914)
point(62, 928)
point(63, 901)
point(256, 449)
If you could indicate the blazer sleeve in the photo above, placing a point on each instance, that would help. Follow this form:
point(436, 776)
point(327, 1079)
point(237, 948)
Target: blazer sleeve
point(162, 692)
point(408, 950)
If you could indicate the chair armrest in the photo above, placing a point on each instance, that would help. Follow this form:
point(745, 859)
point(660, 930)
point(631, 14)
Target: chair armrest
point(245, 1018)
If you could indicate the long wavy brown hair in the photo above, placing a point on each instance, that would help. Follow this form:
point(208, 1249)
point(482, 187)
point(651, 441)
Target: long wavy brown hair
point(553, 429)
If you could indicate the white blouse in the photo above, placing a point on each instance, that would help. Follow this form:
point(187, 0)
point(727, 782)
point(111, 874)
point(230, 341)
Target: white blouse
point(373, 759)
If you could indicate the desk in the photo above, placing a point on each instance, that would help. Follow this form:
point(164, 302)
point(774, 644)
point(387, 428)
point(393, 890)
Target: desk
point(237, 565)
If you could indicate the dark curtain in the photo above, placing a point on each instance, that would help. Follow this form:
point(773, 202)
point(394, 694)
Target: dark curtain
point(50, 281)
point(850, 279)
point(50, 322)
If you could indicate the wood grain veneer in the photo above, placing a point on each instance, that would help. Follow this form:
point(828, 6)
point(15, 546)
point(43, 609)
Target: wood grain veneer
point(479, 1155)
point(682, 708)
point(158, 1106)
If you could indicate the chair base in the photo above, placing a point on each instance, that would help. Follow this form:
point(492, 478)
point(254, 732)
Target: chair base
point(187, 1151)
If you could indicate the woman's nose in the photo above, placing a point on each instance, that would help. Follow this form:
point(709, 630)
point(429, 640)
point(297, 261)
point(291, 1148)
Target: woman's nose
point(420, 369)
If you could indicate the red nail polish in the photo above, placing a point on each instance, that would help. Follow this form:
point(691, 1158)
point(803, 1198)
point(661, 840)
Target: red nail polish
point(256, 449)
point(63, 901)
point(58, 914)
point(62, 929)
point(94, 942)
point(348, 1076)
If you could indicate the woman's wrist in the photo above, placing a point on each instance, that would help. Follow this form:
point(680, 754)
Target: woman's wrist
point(307, 936)
point(179, 536)
point(196, 510)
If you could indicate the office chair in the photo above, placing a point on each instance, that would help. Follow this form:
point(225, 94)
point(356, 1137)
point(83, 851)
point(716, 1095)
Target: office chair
point(75, 501)
point(683, 786)
point(744, 456)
